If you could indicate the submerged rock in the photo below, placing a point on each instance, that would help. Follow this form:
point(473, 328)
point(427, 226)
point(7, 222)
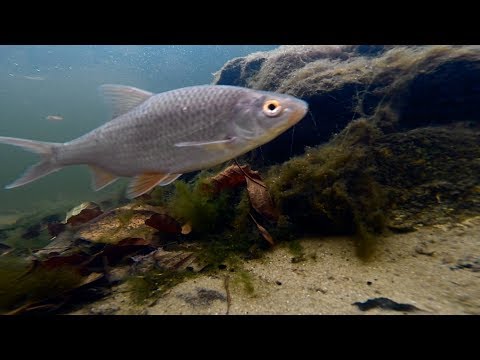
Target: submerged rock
point(364, 181)
point(117, 225)
point(398, 87)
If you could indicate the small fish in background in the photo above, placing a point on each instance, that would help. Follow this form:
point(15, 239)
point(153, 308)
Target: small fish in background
point(155, 138)
point(54, 117)
point(35, 78)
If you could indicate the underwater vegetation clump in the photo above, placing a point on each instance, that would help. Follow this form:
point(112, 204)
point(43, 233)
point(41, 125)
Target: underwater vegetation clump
point(190, 202)
point(20, 285)
point(364, 182)
point(153, 284)
point(220, 220)
point(331, 189)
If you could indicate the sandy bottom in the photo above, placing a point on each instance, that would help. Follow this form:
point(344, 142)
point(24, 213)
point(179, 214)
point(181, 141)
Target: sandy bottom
point(436, 269)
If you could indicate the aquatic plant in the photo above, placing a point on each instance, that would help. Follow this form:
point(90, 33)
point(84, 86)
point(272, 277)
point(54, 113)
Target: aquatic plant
point(20, 285)
point(153, 284)
point(331, 189)
point(205, 212)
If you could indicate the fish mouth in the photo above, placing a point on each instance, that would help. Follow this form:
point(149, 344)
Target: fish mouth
point(299, 109)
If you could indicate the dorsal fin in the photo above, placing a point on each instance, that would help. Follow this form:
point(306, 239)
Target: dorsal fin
point(121, 98)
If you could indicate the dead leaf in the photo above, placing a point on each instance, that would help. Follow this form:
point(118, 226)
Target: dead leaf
point(94, 276)
point(57, 261)
point(232, 177)
point(187, 228)
point(84, 216)
point(164, 223)
point(133, 241)
point(266, 235)
point(261, 200)
point(114, 253)
point(55, 228)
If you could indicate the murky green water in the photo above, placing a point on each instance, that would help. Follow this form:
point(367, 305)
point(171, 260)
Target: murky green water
point(38, 81)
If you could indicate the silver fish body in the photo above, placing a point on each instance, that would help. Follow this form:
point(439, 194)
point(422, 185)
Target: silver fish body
point(158, 137)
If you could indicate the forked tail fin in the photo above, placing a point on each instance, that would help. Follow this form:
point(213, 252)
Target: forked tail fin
point(46, 166)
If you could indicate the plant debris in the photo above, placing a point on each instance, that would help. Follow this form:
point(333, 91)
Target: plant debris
point(164, 223)
point(83, 213)
point(266, 235)
point(229, 178)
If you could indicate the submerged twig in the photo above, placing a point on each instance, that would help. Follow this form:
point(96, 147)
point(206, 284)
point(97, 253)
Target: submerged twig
point(227, 290)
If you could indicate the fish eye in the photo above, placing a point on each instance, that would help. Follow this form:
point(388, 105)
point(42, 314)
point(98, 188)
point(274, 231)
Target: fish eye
point(271, 108)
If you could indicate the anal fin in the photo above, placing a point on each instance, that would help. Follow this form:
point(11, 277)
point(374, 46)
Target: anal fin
point(145, 182)
point(169, 179)
point(101, 178)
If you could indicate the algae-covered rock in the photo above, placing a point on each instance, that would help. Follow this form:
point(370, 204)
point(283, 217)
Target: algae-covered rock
point(364, 181)
point(432, 175)
point(117, 225)
point(401, 87)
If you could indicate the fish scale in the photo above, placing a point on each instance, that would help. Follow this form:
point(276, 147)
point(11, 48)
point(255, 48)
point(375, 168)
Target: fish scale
point(157, 137)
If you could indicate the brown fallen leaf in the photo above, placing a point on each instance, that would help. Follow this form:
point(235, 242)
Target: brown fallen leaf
point(84, 216)
point(187, 228)
point(55, 228)
point(261, 200)
point(232, 177)
point(57, 261)
point(114, 253)
point(164, 223)
point(266, 235)
point(94, 276)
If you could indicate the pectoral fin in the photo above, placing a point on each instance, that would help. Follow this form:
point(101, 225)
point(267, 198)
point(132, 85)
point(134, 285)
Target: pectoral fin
point(101, 178)
point(209, 145)
point(145, 182)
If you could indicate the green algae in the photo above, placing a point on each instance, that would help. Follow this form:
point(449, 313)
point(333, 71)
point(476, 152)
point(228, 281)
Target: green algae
point(331, 189)
point(153, 284)
point(20, 285)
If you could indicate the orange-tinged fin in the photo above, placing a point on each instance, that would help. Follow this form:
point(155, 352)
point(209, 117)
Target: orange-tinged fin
point(143, 183)
point(121, 98)
point(101, 178)
point(169, 179)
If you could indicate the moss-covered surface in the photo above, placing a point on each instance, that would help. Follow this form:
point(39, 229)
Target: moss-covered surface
point(432, 175)
point(20, 285)
point(363, 181)
point(331, 189)
point(402, 87)
point(153, 284)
